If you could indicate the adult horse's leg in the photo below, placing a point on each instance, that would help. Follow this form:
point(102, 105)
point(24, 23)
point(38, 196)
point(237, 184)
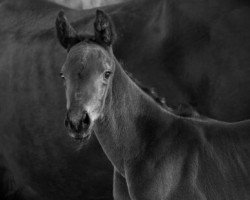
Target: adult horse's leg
point(8, 188)
point(120, 189)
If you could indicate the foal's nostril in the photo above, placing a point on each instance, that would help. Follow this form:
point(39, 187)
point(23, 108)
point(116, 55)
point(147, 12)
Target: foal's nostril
point(86, 118)
point(69, 124)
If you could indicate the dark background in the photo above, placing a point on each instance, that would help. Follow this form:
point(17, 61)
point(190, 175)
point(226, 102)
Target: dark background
point(194, 52)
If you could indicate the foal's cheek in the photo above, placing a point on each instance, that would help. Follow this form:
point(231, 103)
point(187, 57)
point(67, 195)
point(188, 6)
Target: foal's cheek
point(98, 87)
point(102, 90)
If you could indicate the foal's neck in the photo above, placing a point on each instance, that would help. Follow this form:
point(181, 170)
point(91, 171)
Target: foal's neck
point(131, 120)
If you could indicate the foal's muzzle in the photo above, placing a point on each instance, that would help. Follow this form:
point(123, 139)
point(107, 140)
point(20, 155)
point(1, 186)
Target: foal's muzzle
point(78, 126)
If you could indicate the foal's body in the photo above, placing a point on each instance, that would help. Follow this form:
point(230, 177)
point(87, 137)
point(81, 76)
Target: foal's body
point(156, 154)
point(163, 156)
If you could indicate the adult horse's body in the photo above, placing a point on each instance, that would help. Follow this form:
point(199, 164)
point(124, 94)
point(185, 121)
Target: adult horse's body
point(38, 161)
point(190, 53)
point(156, 154)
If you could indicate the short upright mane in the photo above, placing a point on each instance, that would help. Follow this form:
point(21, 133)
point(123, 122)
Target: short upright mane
point(183, 110)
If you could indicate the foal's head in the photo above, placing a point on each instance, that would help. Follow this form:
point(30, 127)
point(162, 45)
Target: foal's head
point(87, 72)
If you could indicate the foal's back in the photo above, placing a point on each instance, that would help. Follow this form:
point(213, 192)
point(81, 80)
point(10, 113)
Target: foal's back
point(218, 161)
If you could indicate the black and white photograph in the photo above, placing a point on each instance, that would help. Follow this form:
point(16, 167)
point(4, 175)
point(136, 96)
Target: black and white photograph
point(124, 99)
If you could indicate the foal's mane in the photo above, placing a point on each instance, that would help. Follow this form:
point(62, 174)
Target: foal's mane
point(183, 110)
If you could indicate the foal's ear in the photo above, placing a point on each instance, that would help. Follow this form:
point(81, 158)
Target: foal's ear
point(66, 34)
point(104, 29)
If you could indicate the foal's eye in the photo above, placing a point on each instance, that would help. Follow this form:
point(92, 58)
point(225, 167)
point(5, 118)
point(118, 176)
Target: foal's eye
point(107, 74)
point(61, 75)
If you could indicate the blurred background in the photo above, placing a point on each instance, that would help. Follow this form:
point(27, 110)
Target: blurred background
point(85, 4)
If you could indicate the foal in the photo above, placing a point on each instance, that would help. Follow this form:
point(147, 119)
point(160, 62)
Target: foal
point(156, 154)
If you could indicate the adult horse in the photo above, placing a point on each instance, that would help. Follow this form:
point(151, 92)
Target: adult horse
point(86, 4)
point(156, 153)
point(188, 52)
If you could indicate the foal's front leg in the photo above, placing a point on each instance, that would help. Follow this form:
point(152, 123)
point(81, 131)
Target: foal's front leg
point(120, 189)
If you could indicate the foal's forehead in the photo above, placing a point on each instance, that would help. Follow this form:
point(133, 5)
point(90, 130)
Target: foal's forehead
point(84, 51)
point(85, 54)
